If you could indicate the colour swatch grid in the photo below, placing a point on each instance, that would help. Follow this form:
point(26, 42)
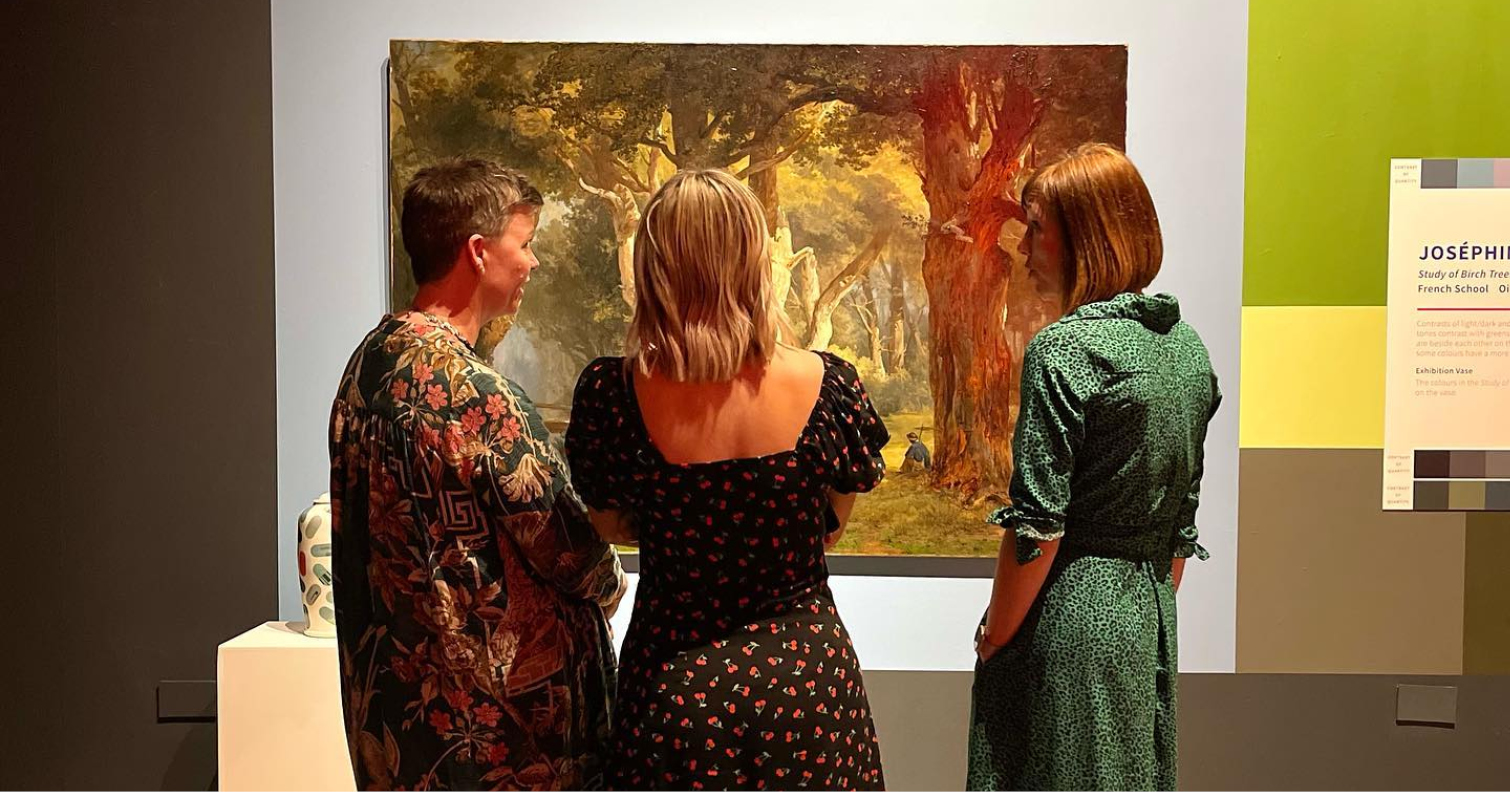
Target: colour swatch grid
point(1464, 174)
point(1462, 480)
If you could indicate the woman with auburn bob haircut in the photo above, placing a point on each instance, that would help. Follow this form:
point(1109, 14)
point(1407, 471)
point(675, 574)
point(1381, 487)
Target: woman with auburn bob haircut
point(1075, 683)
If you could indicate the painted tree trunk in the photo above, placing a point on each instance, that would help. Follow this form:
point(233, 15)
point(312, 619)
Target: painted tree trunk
point(763, 182)
point(805, 272)
point(820, 331)
point(966, 271)
point(865, 308)
point(625, 214)
point(896, 320)
point(784, 263)
point(626, 221)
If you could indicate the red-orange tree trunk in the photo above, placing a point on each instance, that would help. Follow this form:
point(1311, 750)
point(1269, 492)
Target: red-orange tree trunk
point(973, 363)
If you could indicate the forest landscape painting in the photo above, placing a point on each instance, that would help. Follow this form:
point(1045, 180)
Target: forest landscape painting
point(890, 178)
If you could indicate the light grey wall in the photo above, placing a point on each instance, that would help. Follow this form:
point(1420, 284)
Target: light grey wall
point(1186, 110)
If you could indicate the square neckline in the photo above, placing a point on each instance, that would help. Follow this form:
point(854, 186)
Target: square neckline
point(655, 452)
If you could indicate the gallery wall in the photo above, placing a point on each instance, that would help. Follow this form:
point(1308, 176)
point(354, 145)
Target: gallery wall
point(139, 484)
point(140, 281)
point(1327, 581)
point(32, 487)
point(1185, 129)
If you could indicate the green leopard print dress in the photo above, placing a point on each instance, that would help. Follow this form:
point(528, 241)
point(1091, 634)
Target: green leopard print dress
point(1116, 398)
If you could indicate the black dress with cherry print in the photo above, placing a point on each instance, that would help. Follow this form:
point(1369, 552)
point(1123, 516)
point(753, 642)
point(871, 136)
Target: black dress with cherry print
point(736, 672)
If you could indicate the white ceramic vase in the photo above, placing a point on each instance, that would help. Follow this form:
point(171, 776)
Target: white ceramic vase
point(315, 588)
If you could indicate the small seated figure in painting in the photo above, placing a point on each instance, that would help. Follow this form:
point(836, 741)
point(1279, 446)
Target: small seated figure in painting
point(917, 458)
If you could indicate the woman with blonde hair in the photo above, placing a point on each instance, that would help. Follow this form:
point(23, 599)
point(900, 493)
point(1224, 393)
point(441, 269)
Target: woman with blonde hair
point(1075, 685)
point(732, 460)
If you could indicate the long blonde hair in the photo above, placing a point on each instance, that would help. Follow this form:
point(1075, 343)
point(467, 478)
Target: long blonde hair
point(1111, 229)
point(702, 281)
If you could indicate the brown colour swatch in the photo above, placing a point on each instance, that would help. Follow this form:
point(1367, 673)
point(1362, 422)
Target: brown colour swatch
point(1433, 464)
point(1432, 496)
point(1497, 465)
point(1467, 464)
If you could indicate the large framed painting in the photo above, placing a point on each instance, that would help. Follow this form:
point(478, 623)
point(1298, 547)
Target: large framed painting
point(890, 177)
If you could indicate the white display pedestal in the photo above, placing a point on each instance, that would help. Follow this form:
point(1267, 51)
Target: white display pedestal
point(279, 712)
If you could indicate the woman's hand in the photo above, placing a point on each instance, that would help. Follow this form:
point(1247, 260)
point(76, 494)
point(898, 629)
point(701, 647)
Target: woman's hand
point(984, 648)
point(1016, 588)
point(613, 607)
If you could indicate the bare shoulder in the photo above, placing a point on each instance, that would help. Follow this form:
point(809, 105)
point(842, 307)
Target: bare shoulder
point(793, 368)
point(797, 362)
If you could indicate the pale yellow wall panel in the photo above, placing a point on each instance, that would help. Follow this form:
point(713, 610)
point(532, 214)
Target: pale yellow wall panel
point(1312, 377)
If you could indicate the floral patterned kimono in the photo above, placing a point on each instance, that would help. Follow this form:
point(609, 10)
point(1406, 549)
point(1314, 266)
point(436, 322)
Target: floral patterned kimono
point(469, 584)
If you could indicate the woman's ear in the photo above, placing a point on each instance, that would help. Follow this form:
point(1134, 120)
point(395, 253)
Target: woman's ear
point(476, 246)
